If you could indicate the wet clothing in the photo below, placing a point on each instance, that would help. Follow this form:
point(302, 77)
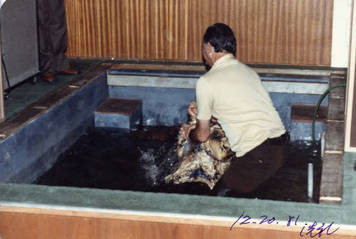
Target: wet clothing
point(203, 162)
point(233, 93)
point(52, 33)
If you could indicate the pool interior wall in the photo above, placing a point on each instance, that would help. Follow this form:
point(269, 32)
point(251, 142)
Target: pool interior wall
point(34, 148)
point(173, 103)
point(41, 141)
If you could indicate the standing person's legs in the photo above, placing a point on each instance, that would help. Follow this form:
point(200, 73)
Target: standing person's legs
point(58, 32)
point(52, 32)
point(44, 35)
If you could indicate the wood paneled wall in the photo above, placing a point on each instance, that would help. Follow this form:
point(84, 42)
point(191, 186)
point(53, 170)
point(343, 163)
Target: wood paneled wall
point(287, 32)
point(60, 224)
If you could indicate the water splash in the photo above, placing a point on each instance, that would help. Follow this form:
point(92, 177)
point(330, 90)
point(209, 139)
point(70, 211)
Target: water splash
point(157, 163)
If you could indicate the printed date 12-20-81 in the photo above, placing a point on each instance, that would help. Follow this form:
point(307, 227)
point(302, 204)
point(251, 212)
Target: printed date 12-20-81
point(311, 230)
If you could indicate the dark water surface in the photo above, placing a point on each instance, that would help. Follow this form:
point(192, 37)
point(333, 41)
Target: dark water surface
point(139, 160)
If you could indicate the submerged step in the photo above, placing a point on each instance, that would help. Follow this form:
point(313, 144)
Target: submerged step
point(301, 121)
point(119, 113)
point(305, 113)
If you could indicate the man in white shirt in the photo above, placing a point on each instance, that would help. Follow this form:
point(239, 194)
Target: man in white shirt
point(233, 93)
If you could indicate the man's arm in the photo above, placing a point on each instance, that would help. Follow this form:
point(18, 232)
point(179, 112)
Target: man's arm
point(201, 132)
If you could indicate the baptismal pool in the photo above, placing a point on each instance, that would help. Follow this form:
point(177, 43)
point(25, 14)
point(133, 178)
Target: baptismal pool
point(57, 160)
point(139, 160)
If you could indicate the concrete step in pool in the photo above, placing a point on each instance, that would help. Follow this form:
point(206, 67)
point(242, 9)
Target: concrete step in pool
point(301, 121)
point(119, 113)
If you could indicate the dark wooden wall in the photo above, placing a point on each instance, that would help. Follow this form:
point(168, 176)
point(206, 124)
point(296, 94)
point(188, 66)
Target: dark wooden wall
point(287, 32)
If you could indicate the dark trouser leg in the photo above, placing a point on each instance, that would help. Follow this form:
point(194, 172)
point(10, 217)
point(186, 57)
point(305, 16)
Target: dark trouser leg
point(52, 35)
point(246, 173)
point(44, 37)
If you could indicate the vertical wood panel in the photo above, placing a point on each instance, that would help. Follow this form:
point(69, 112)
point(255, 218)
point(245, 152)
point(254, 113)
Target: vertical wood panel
point(287, 32)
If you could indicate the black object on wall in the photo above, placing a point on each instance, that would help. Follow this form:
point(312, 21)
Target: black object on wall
point(18, 19)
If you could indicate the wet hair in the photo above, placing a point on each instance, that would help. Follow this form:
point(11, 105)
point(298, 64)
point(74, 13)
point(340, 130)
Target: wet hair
point(221, 37)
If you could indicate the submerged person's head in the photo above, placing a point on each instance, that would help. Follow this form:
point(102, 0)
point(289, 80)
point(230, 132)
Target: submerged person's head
point(221, 37)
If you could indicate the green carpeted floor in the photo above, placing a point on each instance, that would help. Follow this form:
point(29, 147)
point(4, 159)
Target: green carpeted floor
point(31, 90)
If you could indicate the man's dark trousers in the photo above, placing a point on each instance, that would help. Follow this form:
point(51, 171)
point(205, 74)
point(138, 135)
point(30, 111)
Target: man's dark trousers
point(52, 32)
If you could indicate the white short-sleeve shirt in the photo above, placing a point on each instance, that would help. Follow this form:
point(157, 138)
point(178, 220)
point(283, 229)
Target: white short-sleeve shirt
point(233, 93)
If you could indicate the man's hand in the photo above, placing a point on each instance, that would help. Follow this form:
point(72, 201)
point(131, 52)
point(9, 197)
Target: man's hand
point(192, 109)
point(185, 130)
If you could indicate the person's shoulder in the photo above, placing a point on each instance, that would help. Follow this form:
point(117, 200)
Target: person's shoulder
point(206, 77)
point(248, 70)
point(202, 79)
point(203, 82)
point(211, 74)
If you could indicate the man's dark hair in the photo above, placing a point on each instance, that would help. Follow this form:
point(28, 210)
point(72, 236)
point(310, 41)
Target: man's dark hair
point(221, 37)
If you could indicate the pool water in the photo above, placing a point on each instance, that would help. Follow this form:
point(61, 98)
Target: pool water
point(139, 160)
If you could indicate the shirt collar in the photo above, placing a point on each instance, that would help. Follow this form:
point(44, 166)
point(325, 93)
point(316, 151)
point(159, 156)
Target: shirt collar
point(222, 60)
